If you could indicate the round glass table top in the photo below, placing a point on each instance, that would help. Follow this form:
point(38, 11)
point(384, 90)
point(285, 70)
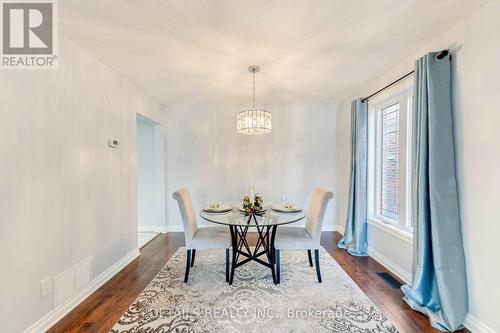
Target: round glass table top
point(237, 218)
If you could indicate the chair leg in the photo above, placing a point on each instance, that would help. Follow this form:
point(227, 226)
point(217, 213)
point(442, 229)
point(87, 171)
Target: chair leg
point(316, 258)
point(192, 259)
point(227, 265)
point(309, 255)
point(188, 264)
point(278, 268)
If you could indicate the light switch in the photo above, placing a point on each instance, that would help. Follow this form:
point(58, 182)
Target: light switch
point(113, 143)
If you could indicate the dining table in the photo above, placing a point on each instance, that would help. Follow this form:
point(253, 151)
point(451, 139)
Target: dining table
point(264, 222)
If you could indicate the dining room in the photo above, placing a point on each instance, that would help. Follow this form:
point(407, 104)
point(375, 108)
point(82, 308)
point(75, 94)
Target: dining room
point(249, 166)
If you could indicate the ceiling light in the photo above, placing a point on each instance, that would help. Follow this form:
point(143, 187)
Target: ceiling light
point(254, 121)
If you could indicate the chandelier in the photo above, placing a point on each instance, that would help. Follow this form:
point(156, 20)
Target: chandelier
point(254, 121)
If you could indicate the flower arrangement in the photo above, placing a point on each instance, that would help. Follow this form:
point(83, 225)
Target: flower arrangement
point(247, 204)
point(258, 201)
point(250, 207)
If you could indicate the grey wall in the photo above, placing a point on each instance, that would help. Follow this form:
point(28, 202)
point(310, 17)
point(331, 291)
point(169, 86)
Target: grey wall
point(208, 156)
point(64, 194)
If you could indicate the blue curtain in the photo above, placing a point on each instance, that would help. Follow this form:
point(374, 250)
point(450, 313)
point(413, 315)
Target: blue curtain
point(439, 286)
point(355, 230)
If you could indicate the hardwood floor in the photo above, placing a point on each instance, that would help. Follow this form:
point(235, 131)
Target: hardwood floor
point(100, 311)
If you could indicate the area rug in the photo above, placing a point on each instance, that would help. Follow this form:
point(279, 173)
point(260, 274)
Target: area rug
point(253, 303)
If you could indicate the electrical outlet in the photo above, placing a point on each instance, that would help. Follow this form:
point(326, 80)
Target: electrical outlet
point(46, 286)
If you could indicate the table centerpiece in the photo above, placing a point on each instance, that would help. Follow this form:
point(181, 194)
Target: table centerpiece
point(255, 207)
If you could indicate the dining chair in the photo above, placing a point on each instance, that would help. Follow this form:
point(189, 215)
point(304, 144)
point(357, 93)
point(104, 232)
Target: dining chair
point(305, 238)
point(199, 238)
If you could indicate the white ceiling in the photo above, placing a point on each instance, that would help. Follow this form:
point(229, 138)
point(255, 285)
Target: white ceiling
point(194, 51)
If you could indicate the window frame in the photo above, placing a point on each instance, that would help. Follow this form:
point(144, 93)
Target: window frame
point(402, 94)
point(377, 212)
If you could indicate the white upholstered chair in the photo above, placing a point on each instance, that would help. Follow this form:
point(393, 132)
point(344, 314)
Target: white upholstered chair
point(199, 238)
point(307, 238)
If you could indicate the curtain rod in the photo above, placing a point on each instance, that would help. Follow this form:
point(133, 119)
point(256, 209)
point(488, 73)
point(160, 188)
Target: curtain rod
point(440, 56)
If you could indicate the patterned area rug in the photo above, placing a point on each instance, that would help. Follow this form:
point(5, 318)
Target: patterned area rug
point(253, 303)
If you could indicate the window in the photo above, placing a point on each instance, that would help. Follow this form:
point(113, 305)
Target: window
point(389, 192)
point(389, 158)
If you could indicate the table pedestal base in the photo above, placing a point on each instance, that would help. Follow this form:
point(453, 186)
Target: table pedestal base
point(264, 247)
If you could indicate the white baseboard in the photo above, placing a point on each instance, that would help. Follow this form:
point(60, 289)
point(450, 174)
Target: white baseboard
point(390, 265)
point(474, 325)
point(161, 230)
point(334, 227)
point(51, 318)
point(179, 228)
point(174, 228)
point(150, 228)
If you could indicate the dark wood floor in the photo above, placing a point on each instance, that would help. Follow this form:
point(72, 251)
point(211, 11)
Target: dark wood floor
point(102, 309)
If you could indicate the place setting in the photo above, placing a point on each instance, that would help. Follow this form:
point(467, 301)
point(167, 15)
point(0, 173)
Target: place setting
point(286, 207)
point(217, 208)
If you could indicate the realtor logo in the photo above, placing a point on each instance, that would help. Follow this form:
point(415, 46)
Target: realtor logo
point(28, 35)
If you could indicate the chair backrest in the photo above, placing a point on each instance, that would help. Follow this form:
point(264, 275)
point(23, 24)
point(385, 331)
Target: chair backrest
point(316, 213)
point(188, 214)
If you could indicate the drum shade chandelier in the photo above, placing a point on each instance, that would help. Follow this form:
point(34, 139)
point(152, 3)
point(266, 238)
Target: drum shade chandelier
point(254, 121)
